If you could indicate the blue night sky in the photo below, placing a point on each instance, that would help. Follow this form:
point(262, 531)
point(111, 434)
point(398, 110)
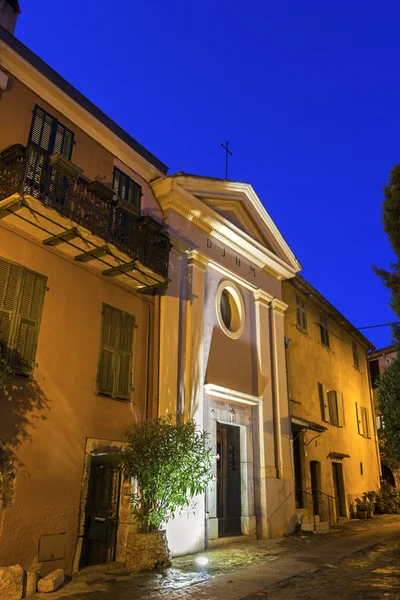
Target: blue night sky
point(306, 92)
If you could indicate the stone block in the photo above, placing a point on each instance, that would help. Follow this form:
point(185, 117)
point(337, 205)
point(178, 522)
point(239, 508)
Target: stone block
point(147, 551)
point(31, 583)
point(51, 582)
point(11, 582)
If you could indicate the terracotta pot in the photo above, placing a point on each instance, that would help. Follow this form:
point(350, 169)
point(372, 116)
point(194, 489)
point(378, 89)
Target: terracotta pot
point(362, 514)
point(147, 551)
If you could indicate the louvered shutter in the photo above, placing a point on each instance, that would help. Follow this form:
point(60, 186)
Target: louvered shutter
point(359, 422)
point(323, 399)
point(108, 350)
point(340, 403)
point(10, 276)
point(365, 422)
point(29, 312)
point(42, 129)
point(63, 140)
point(125, 356)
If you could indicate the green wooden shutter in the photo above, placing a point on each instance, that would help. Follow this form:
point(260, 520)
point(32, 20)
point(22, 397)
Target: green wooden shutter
point(108, 350)
point(29, 312)
point(10, 276)
point(323, 397)
point(125, 357)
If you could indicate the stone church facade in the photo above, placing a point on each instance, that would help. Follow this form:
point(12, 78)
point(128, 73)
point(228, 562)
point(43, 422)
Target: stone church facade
point(222, 357)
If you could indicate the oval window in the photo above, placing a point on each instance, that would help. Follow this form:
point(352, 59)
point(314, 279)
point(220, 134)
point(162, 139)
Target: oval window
point(230, 309)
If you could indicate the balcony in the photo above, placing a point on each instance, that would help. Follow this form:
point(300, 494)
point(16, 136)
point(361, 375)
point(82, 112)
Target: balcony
point(46, 197)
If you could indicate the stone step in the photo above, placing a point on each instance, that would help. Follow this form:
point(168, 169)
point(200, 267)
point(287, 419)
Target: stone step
point(319, 526)
point(308, 519)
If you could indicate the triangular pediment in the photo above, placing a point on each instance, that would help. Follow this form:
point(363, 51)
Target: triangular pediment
point(231, 211)
point(237, 213)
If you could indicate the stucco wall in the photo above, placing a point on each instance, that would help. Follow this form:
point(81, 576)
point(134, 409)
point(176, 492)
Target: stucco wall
point(60, 408)
point(310, 362)
point(17, 103)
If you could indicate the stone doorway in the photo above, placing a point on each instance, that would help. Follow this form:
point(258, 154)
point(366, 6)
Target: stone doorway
point(228, 480)
point(101, 511)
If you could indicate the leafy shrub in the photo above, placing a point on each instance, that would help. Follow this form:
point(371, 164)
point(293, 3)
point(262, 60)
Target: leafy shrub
point(387, 499)
point(171, 463)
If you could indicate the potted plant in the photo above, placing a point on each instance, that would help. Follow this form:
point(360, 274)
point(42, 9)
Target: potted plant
point(361, 508)
point(170, 463)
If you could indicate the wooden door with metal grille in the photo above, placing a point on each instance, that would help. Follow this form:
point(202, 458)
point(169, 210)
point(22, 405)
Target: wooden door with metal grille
point(101, 514)
point(228, 480)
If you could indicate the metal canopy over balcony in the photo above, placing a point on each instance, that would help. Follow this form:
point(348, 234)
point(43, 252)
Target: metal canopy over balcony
point(47, 199)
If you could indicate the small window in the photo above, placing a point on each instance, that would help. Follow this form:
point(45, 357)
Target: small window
point(323, 326)
point(361, 469)
point(127, 189)
point(230, 309)
point(301, 318)
point(114, 377)
point(21, 303)
point(355, 355)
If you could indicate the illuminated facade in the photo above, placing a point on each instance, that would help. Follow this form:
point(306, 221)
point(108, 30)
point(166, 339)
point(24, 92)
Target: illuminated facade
point(335, 446)
point(82, 256)
point(223, 355)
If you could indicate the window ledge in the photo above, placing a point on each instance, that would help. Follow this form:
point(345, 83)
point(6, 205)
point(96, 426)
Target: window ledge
point(302, 329)
point(124, 400)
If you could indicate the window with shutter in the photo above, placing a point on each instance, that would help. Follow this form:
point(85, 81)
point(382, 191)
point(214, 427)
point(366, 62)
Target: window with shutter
point(21, 304)
point(116, 353)
point(359, 422)
point(333, 408)
point(340, 405)
point(323, 326)
point(49, 134)
point(356, 361)
point(365, 422)
point(126, 188)
point(301, 318)
point(323, 399)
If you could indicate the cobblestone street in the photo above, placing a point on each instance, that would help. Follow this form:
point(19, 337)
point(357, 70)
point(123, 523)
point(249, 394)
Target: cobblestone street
point(358, 559)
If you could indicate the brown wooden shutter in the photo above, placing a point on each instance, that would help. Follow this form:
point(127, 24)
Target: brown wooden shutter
point(29, 312)
point(125, 356)
point(340, 404)
point(108, 350)
point(323, 399)
point(10, 276)
point(359, 422)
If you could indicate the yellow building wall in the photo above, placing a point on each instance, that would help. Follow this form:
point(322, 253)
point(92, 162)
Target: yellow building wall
point(310, 363)
point(60, 415)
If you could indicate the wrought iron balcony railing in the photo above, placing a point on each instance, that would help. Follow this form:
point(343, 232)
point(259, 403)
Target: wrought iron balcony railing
point(141, 238)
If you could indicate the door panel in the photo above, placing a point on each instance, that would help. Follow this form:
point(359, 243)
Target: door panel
point(228, 481)
point(101, 514)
